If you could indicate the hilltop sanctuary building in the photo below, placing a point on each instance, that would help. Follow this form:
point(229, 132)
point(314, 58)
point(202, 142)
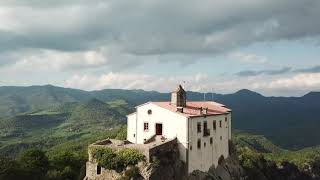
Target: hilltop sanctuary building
point(202, 129)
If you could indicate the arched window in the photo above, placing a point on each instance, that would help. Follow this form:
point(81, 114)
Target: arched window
point(221, 159)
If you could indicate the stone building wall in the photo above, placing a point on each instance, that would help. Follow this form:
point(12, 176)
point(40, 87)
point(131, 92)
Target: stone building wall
point(162, 161)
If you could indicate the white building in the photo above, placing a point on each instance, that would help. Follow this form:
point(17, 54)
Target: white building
point(202, 128)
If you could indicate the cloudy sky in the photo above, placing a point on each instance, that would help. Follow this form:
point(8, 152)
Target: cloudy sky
point(269, 46)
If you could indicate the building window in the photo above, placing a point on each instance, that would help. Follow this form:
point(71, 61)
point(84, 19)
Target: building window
point(134, 135)
point(190, 147)
point(220, 123)
point(204, 144)
point(226, 120)
point(211, 140)
point(199, 143)
point(149, 111)
point(199, 127)
point(220, 137)
point(145, 126)
point(98, 170)
point(214, 125)
point(206, 131)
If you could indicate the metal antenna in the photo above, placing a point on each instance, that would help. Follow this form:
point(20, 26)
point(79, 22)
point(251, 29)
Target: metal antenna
point(212, 95)
point(184, 84)
point(204, 96)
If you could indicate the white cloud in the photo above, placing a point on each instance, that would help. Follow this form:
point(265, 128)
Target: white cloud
point(299, 82)
point(199, 82)
point(268, 27)
point(155, 27)
point(49, 60)
point(248, 58)
point(296, 85)
point(82, 36)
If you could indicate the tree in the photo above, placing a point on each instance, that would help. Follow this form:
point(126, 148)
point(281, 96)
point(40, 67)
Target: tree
point(34, 163)
point(67, 166)
point(9, 169)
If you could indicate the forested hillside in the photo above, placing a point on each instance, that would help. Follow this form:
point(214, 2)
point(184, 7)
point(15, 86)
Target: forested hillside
point(71, 121)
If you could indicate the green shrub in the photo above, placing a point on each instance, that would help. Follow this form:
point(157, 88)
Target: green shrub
point(130, 156)
point(132, 172)
point(248, 158)
point(105, 157)
point(116, 160)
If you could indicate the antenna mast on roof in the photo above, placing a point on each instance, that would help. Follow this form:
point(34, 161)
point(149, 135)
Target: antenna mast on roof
point(184, 84)
point(212, 95)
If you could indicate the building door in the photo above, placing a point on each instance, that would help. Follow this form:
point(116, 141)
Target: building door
point(158, 129)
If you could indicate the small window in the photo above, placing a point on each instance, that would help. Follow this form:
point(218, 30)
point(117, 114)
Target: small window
point(199, 143)
point(226, 120)
point(199, 127)
point(220, 137)
point(214, 125)
point(220, 123)
point(145, 126)
point(190, 147)
point(211, 140)
point(149, 111)
point(204, 144)
point(206, 131)
point(134, 135)
point(98, 170)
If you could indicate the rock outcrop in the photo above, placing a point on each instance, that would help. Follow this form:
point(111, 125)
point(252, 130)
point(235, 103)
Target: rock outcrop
point(228, 169)
point(161, 163)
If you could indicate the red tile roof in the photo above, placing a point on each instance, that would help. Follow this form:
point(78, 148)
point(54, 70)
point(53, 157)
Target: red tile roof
point(193, 108)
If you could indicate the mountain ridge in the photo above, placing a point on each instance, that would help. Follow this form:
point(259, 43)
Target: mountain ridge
point(278, 118)
point(153, 91)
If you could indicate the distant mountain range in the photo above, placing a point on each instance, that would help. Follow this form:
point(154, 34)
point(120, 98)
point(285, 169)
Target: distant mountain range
point(290, 122)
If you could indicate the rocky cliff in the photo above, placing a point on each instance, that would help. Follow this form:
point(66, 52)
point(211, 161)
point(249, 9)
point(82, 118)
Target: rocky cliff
point(227, 169)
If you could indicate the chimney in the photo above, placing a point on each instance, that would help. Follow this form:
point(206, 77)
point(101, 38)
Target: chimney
point(179, 97)
point(180, 109)
point(203, 111)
